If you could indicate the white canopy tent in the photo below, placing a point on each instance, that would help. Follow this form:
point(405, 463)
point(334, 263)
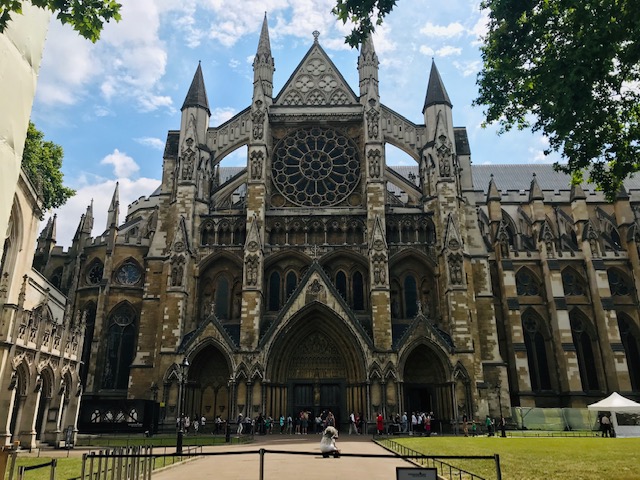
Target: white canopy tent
point(616, 403)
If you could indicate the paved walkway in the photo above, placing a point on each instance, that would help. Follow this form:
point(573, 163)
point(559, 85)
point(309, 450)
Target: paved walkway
point(289, 467)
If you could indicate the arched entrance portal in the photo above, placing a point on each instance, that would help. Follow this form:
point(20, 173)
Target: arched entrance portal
point(207, 391)
point(316, 366)
point(427, 386)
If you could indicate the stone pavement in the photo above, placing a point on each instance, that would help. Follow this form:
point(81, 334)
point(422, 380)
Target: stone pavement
point(289, 467)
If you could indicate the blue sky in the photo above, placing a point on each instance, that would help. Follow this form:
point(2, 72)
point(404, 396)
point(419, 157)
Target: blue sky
point(110, 104)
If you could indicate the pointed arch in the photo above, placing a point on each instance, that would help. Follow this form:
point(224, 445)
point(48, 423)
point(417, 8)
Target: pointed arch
point(536, 335)
point(528, 284)
point(573, 283)
point(619, 282)
point(630, 336)
point(94, 271)
point(129, 272)
point(120, 338)
point(584, 341)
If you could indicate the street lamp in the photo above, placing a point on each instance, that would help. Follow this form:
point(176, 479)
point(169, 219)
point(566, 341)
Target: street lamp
point(498, 392)
point(183, 367)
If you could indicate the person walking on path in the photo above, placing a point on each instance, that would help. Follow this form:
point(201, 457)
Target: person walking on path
point(239, 432)
point(503, 427)
point(488, 424)
point(353, 428)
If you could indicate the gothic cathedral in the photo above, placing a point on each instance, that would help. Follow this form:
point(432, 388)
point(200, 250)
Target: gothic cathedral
point(320, 277)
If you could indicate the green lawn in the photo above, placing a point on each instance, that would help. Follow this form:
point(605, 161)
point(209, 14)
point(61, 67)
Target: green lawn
point(540, 458)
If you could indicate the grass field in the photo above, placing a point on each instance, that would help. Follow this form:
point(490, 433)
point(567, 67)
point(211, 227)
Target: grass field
point(540, 458)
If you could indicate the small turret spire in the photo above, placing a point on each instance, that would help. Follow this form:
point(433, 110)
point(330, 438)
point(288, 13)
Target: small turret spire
point(114, 208)
point(368, 68)
point(436, 93)
point(263, 64)
point(197, 94)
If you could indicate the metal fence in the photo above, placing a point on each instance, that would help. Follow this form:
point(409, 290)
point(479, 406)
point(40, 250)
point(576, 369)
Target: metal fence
point(445, 469)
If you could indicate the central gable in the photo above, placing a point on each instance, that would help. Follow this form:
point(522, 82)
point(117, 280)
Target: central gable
point(316, 82)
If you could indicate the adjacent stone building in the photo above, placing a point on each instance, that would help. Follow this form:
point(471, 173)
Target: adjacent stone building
point(320, 277)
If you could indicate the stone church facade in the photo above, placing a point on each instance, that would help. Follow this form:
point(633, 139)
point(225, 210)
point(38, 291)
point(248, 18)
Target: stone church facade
point(320, 277)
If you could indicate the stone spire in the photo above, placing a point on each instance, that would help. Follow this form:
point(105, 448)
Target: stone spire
point(85, 226)
point(263, 64)
point(535, 192)
point(114, 208)
point(368, 68)
point(493, 193)
point(436, 93)
point(197, 94)
point(49, 231)
point(46, 242)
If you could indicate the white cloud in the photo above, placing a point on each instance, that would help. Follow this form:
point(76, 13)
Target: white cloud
point(469, 67)
point(448, 51)
point(233, 63)
point(151, 142)
point(428, 51)
point(221, 115)
point(443, 31)
point(123, 164)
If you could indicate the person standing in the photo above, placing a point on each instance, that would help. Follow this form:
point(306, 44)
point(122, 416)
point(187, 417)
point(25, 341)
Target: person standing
point(427, 425)
point(380, 423)
point(353, 428)
point(465, 425)
point(405, 422)
point(606, 426)
point(239, 432)
point(414, 423)
point(488, 424)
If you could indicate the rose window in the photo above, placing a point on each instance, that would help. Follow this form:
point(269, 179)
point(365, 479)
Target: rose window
point(316, 167)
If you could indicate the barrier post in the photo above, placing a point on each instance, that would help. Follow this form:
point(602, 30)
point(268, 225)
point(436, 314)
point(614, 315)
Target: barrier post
point(262, 464)
point(498, 472)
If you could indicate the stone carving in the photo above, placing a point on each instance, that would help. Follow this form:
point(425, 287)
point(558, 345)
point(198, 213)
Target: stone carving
point(257, 119)
point(252, 270)
point(315, 292)
point(455, 269)
point(257, 159)
point(177, 270)
point(375, 158)
point(443, 147)
point(379, 269)
point(188, 162)
point(373, 117)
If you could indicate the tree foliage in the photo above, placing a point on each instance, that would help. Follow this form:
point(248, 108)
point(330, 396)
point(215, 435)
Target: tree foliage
point(360, 12)
point(87, 17)
point(42, 161)
point(571, 70)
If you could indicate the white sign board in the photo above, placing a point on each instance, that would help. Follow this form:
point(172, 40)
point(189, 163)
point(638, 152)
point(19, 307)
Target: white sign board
point(404, 473)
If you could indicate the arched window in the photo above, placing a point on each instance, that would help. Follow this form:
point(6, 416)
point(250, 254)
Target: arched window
point(526, 283)
point(358, 291)
point(618, 283)
point(120, 348)
point(410, 297)
point(94, 272)
point(274, 291)
point(341, 283)
point(631, 349)
point(536, 353)
point(129, 273)
point(584, 352)
point(89, 315)
point(222, 298)
point(291, 283)
point(572, 283)
point(56, 278)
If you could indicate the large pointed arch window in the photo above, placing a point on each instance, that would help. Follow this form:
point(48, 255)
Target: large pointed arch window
point(291, 283)
point(526, 283)
point(341, 284)
point(119, 347)
point(631, 343)
point(536, 352)
point(223, 298)
point(88, 315)
point(410, 296)
point(584, 351)
point(274, 291)
point(618, 283)
point(358, 291)
point(573, 283)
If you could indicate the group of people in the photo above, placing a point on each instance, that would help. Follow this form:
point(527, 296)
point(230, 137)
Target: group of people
point(491, 425)
point(300, 424)
point(197, 423)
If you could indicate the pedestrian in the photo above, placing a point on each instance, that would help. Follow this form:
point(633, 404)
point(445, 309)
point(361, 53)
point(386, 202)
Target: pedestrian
point(328, 443)
point(488, 424)
point(380, 423)
point(405, 422)
point(281, 424)
point(465, 425)
point(414, 423)
point(203, 421)
point(289, 425)
point(474, 428)
point(352, 424)
point(427, 425)
point(239, 424)
point(196, 426)
point(605, 424)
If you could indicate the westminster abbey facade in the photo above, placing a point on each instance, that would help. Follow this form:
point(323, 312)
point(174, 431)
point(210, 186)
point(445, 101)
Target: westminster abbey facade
point(321, 277)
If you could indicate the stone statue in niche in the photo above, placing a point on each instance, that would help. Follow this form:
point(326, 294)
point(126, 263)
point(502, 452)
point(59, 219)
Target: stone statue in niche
point(256, 165)
point(372, 122)
point(257, 119)
point(374, 162)
point(252, 271)
point(455, 269)
point(177, 270)
point(188, 162)
point(379, 270)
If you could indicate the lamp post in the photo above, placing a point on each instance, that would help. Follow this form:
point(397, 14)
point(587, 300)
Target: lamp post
point(182, 379)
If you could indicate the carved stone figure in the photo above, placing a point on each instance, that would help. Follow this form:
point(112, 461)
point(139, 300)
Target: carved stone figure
point(257, 119)
point(372, 122)
point(252, 271)
point(374, 163)
point(256, 165)
point(455, 269)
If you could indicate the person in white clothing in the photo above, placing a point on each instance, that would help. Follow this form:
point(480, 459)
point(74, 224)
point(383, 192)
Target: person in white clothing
point(328, 443)
point(353, 428)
